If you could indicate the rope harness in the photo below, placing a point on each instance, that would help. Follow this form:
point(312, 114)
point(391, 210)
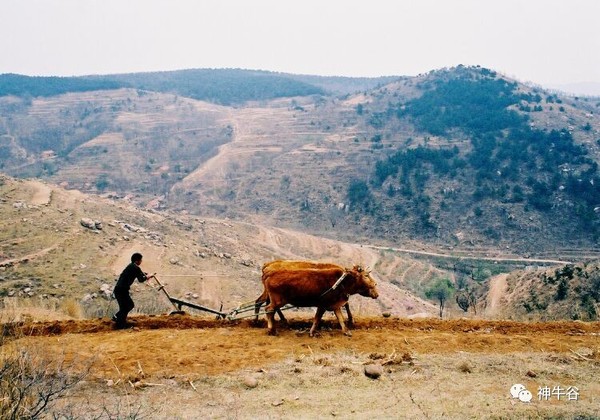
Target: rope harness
point(336, 284)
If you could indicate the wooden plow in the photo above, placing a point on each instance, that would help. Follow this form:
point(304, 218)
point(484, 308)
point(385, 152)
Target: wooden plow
point(240, 312)
point(178, 303)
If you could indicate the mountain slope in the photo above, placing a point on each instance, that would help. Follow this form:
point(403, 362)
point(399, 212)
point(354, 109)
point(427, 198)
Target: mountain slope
point(462, 157)
point(492, 162)
point(565, 292)
point(48, 256)
point(459, 157)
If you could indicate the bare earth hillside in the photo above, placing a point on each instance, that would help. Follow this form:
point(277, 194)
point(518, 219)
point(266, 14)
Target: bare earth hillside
point(47, 257)
point(182, 366)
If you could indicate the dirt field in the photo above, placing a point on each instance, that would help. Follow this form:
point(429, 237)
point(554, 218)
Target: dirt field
point(184, 367)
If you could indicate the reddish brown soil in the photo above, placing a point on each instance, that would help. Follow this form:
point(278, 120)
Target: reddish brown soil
point(175, 346)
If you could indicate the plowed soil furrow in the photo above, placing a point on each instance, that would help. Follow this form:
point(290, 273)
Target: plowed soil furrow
point(183, 345)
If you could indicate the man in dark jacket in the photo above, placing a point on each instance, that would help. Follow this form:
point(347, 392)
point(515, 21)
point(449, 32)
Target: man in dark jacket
point(121, 292)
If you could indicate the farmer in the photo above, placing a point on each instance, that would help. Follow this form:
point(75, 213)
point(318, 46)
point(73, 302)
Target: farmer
point(121, 292)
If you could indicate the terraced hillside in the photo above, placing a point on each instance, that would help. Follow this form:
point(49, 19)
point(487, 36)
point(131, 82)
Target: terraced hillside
point(273, 164)
point(52, 270)
point(49, 260)
point(123, 141)
point(461, 158)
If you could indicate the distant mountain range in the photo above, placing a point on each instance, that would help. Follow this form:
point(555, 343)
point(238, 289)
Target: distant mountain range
point(221, 86)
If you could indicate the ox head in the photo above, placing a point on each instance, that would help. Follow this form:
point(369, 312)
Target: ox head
point(366, 285)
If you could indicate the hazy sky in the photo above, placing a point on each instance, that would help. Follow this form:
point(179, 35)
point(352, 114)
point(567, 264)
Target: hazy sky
point(542, 41)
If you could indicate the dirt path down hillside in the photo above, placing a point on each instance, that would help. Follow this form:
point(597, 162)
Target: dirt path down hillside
point(25, 258)
point(497, 291)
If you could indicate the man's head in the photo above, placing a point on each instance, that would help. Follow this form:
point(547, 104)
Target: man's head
point(136, 258)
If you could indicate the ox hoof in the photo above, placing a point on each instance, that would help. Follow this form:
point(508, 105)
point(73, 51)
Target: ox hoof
point(272, 332)
point(348, 333)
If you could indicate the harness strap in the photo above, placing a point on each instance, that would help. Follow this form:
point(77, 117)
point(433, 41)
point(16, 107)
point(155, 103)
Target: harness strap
point(335, 285)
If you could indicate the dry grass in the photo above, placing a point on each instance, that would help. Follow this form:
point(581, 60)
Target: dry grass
point(184, 366)
point(27, 310)
point(72, 308)
point(32, 381)
point(61, 259)
point(307, 388)
point(432, 368)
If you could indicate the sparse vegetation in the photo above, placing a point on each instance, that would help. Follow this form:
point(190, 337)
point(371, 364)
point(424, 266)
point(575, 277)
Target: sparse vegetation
point(303, 373)
point(176, 357)
point(477, 105)
point(567, 292)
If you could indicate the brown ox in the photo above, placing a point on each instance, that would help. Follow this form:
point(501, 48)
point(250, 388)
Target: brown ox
point(326, 288)
point(273, 266)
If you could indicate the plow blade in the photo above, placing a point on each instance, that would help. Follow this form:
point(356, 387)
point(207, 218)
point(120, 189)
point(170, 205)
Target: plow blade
point(179, 303)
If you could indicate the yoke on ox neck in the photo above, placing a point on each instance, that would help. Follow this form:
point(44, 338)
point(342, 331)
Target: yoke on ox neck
point(336, 284)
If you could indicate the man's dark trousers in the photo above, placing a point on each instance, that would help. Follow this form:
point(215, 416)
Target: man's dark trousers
point(125, 305)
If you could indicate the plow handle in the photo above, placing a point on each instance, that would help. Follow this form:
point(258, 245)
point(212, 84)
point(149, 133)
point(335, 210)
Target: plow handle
point(161, 287)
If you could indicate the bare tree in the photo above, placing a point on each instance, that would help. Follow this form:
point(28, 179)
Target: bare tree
point(334, 213)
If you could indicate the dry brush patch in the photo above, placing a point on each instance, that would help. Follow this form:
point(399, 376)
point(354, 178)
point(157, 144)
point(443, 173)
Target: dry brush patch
point(32, 381)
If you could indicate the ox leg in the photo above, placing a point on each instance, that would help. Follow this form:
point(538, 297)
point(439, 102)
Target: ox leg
point(262, 299)
point(340, 318)
point(271, 320)
point(283, 319)
point(350, 319)
point(257, 306)
point(317, 321)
